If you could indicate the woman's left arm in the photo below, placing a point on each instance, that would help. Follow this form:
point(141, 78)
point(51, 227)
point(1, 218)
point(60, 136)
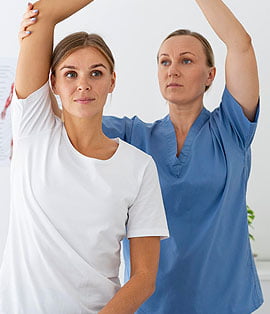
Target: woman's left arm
point(144, 258)
point(241, 66)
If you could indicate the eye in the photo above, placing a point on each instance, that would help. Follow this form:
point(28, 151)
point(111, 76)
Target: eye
point(165, 62)
point(187, 61)
point(71, 74)
point(96, 73)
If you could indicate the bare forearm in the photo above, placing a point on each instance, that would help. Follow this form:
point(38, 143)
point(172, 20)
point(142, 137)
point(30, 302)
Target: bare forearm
point(58, 10)
point(225, 24)
point(129, 298)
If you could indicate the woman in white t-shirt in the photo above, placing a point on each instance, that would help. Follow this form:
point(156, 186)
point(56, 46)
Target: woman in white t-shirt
point(72, 188)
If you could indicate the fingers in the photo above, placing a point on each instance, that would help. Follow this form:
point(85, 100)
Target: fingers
point(30, 6)
point(30, 13)
point(27, 22)
point(23, 34)
point(29, 18)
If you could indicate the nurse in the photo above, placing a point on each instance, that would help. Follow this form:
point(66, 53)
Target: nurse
point(203, 160)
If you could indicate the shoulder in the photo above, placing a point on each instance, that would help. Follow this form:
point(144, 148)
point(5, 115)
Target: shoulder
point(40, 93)
point(229, 105)
point(230, 122)
point(40, 96)
point(137, 161)
point(134, 154)
point(33, 115)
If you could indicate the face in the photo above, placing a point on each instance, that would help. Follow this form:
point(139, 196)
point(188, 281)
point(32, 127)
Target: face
point(182, 70)
point(83, 81)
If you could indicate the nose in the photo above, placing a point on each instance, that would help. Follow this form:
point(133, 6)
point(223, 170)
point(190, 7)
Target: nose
point(173, 71)
point(84, 85)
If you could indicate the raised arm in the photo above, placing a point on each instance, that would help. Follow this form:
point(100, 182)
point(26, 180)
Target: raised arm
point(35, 54)
point(241, 67)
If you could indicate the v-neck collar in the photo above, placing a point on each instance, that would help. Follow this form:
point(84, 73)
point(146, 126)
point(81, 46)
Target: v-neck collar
point(184, 156)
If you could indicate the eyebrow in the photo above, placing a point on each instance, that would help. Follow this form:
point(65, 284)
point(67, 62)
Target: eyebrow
point(180, 54)
point(72, 67)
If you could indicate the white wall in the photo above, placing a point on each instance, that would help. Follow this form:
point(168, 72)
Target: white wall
point(134, 29)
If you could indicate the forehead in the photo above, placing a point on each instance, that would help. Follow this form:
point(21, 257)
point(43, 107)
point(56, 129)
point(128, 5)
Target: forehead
point(181, 44)
point(89, 55)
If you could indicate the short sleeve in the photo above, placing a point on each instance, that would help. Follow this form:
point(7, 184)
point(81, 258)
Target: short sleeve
point(232, 122)
point(33, 114)
point(118, 127)
point(146, 216)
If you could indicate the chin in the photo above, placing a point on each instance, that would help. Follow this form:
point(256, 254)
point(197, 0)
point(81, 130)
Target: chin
point(176, 101)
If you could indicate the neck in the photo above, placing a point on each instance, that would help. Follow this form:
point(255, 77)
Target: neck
point(85, 134)
point(183, 117)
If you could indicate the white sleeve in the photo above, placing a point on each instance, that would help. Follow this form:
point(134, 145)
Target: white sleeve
point(33, 114)
point(146, 216)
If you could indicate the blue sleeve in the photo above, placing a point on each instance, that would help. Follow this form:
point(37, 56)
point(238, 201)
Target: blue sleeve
point(232, 123)
point(118, 127)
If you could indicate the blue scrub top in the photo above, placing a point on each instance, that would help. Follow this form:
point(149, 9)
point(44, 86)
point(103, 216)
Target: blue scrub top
point(206, 266)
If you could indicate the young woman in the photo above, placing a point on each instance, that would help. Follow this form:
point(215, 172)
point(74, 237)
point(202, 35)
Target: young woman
point(75, 193)
point(203, 160)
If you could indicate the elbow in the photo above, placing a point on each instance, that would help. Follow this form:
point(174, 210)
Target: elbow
point(150, 288)
point(146, 285)
point(246, 43)
point(47, 13)
point(240, 44)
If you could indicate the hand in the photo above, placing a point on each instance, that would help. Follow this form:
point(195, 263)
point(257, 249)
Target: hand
point(29, 18)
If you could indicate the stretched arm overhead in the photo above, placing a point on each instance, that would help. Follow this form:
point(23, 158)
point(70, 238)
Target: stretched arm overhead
point(241, 67)
point(35, 54)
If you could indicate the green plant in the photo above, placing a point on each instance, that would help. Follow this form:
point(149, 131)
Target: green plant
point(250, 217)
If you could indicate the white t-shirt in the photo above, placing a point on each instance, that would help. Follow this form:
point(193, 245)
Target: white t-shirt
point(69, 213)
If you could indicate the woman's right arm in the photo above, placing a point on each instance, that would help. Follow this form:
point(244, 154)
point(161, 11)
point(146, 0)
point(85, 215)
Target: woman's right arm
point(241, 67)
point(35, 53)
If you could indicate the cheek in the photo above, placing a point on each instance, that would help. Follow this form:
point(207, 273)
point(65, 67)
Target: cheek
point(65, 93)
point(57, 86)
point(105, 88)
point(198, 78)
point(161, 78)
point(65, 89)
point(161, 86)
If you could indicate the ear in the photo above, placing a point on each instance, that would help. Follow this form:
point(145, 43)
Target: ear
point(113, 79)
point(211, 76)
point(53, 84)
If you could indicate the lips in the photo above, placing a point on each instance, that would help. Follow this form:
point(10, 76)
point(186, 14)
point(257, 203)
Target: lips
point(85, 100)
point(174, 85)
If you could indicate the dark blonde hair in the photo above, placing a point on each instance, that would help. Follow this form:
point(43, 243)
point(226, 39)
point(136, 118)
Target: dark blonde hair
point(77, 41)
point(210, 60)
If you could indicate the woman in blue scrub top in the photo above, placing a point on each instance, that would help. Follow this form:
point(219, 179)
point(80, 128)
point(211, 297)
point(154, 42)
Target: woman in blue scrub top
point(203, 159)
